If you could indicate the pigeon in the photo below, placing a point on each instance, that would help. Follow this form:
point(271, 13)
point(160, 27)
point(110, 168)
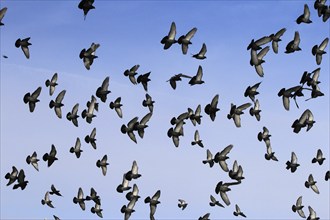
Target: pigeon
point(86, 5)
point(223, 188)
point(215, 202)
point(103, 164)
point(170, 38)
point(184, 40)
point(128, 210)
point(116, 105)
point(21, 180)
point(88, 55)
point(2, 14)
point(319, 5)
point(97, 209)
point(292, 165)
point(4, 56)
point(181, 117)
point(235, 113)
point(298, 207)
point(103, 91)
point(312, 214)
point(133, 173)
point(52, 84)
point(131, 73)
point(93, 196)
point(148, 102)
point(54, 191)
point(319, 157)
point(144, 79)
point(270, 155)
point(293, 45)
point(197, 140)
point(76, 149)
point(312, 184)
point(255, 110)
point(287, 94)
point(237, 172)
point(91, 138)
point(175, 78)
point(176, 133)
point(153, 202)
point(32, 99)
point(80, 199)
point(73, 115)
point(315, 92)
point(211, 109)
point(24, 44)
point(327, 175)
point(209, 158)
point(195, 117)
point(318, 51)
point(306, 119)
point(140, 126)
point(89, 113)
point(276, 38)
point(221, 157)
point(123, 186)
point(238, 212)
point(182, 204)
point(252, 91)
point(133, 194)
point(197, 79)
point(33, 160)
point(130, 128)
point(256, 45)
point(51, 157)
point(56, 218)
point(47, 201)
point(204, 217)
point(57, 104)
point(325, 13)
point(257, 60)
point(311, 79)
point(264, 136)
point(12, 177)
point(305, 17)
point(201, 54)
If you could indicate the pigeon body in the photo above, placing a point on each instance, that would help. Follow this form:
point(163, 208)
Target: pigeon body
point(12, 177)
point(51, 157)
point(32, 99)
point(133, 173)
point(76, 149)
point(47, 200)
point(255, 110)
point(153, 202)
point(24, 44)
point(103, 164)
point(176, 78)
point(89, 113)
point(298, 207)
point(54, 191)
point(148, 102)
point(2, 14)
point(201, 54)
point(80, 199)
point(221, 157)
point(293, 164)
point(251, 91)
point(144, 79)
point(33, 160)
point(94, 197)
point(86, 5)
point(169, 40)
point(276, 38)
point(57, 104)
point(131, 73)
point(91, 138)
point(22, 183)
point(130, 128)
point(318, 51)
point(117, 106)
point(182, 204)
point(293, 45)
point(52, 84)
point(236, 112)
point(103, 91)
point(319, 157)
point(238, 211)
point(305, 17)
point(209, 158)
point(88, 55)
point(184, 40)
point(73, 115)
point(311, 183)
point(197, 79)
point(306, 119)
point(212, 108)
point(215, 202)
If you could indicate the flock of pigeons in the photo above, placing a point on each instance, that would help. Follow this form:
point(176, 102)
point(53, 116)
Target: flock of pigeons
point(308, 79)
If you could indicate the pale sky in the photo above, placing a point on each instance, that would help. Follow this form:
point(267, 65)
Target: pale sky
point(129, 33)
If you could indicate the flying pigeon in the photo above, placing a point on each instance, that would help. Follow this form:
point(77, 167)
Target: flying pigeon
point(184, 40)
point(24, 44)
point(52, 84)
point(170, 38)
point(32, 99)
point(57, 104)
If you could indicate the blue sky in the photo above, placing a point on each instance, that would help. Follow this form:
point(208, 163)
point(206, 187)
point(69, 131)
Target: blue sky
point(129, 33)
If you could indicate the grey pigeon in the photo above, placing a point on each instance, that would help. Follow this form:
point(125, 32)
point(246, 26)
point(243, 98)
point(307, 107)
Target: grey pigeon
point(236, 112)
point(80, 199)
point(2, 14)
point(123, 186)
point(197, 79)
point(212, 108)
point(183, 116)
point(153, 202)
point(89, 113)
point(76, 149)
point(22, 183)
point(97, 209)
point(238, 212)
point(176, 78)
point(312, 214)
point(293, 164)
point(276, 38)
point(148, 102)
point(195, 117)
point(270, 155)
point(131, 73)
point(52, 84)
point(305, 17)
point(86, 5)
point(223, 188)
point(251, 91)
point(176, 132)
point(256, 45)
point(319, 157)
point(257, 60)
point(298, 207)
point(201, 54)
point(88, 55)
point(264, 136)
point(51, 157)
point(32, 99)
point(182, 204)
point(24, 44)
point(170, 38)
point(94, 197)
point(129, 209)
point(57, 104)
point(33, 160)
point(318, 51)
point(184, 40)
point(103, 164)
point(327, 175)
point(140, 126)
point(319, 5)
point(325, 13)
point(204, 217)
point(103, 91)
point(209, 158)
point(12, 177)
point(129, 129)
point(255, 110)
point(133, 173)
point(47, 200)
point(54, 191)
point(221, 157)
point(144, 79)
point(215, 202)
point(91, 138)
point(237, 172)
point(73, 115)
point(134, 194)
point(310, 183)
point(306, 119)
point(293, 45)
point(197, 140)
point(117, 106)
point(289, 93)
